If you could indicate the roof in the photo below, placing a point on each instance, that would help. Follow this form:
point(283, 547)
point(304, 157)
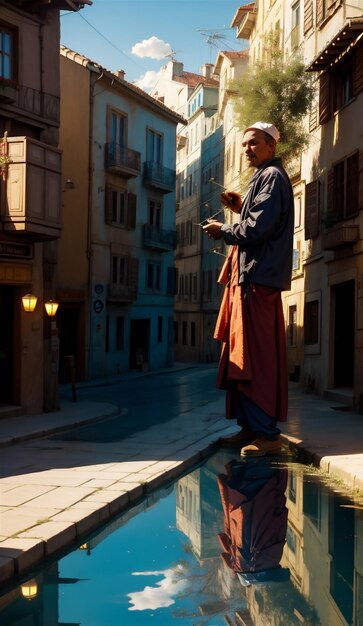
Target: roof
point(347, 37)
point(192, 80)
point(241, 12)
point(114, 78)
point(232, 56)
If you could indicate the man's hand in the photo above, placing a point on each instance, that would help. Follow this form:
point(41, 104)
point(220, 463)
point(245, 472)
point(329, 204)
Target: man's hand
point(213, 229)
point(232, 200)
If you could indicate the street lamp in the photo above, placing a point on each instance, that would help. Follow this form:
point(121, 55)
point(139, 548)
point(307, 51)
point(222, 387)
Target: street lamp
point(51, 307)
point(30, 589)
point(29, 302)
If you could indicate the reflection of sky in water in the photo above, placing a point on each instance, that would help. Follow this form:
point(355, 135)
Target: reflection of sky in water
point(160, 562)
point(135, 576)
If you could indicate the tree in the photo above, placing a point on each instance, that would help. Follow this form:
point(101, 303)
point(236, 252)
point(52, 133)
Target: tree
point(277, 91)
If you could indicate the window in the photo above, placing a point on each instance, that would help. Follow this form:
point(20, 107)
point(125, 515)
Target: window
point(160, 329)
point(120, 208)
point(295, 30)
point(339, 86)
point(176, 332)
point(154, 214)
point(292, 328)
point(154, 146)
point(308, 16)
point(325, 8)
point(311, 322)
point(312, 209)
point(117, 128)
point(192, 334)
point(343, 189)
point(153, 276)
point(7, 54)
point(119, 270)
point(343, 84)
point(184, 333)
point(120, 326)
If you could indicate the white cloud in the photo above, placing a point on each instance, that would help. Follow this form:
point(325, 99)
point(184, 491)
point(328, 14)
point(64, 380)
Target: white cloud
point(147, 80)
point(153, 48)
point(160, 596)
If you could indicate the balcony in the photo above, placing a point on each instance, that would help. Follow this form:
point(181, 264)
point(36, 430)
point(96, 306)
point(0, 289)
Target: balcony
point(122, 161)
point(158, 239)
point(124, 294)
point(40, 105)
point(339, 237)
point(31, 189)
point(158, 177)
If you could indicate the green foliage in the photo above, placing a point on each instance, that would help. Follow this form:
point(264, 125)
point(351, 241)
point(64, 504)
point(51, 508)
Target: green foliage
point(277, 91)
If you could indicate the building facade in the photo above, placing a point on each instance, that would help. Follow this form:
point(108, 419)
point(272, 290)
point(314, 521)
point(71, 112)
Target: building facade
point(323, 311)
point(117, 309)
point(30, 218)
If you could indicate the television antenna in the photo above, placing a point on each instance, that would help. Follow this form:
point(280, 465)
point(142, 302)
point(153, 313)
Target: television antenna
point(171, 55)
point(216, 38)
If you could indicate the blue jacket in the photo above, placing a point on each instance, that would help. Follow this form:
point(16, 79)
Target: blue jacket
point(265, 231)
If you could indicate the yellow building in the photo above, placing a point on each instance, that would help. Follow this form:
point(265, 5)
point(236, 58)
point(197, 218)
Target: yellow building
point(30, 214)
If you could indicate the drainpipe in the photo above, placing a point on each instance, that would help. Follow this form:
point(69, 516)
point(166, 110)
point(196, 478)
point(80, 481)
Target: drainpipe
point(90, 222)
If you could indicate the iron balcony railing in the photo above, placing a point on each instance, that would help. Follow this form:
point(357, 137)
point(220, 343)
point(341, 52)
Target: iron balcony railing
point(158, 238)
point(43, 105)
point(122, 158)
point(159, 177)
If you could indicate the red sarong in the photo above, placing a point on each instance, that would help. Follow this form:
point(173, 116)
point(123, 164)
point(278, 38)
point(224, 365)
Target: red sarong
point(251, 327)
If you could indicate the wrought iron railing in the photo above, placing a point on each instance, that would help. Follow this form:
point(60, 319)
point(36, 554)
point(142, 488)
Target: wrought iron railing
point(120, 156)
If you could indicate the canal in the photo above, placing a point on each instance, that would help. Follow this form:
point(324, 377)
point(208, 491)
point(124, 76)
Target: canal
point(234, 542)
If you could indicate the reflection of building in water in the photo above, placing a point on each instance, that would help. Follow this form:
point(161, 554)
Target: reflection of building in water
point(294, 548)
point(333, 540)
point(198, 509)
point(35, 602)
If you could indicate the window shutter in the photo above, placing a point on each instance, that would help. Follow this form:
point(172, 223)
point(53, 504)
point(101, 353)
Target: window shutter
point(108, 205)
point(351, 207)
point(324, 99)
point(312, 209)
point(319, 11)
point(131, 210)
point(308, 16)
point(358, 73)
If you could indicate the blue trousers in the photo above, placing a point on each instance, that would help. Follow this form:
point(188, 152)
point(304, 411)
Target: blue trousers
point(252, 417)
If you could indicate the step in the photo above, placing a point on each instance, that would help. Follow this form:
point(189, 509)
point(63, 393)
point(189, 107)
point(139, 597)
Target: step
point(11, 410)
point(343, 395)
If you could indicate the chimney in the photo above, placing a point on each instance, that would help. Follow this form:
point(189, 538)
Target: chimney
point(120, 74)
point(206, 70)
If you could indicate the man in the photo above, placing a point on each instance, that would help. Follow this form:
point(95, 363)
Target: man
point(250, 324)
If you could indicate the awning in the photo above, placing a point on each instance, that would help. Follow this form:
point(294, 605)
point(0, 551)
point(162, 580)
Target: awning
point(338, 46)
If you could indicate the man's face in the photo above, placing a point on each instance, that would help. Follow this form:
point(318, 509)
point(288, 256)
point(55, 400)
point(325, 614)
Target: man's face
point(256, 148)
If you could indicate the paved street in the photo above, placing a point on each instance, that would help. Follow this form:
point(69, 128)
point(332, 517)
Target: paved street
point(55, 489)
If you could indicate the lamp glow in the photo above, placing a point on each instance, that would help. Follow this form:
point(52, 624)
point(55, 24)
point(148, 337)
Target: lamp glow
point(30, 589)
point(51, 307)
point(29, 302)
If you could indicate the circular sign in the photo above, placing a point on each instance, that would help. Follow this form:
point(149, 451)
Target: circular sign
point(98, 289)
point(98, 306)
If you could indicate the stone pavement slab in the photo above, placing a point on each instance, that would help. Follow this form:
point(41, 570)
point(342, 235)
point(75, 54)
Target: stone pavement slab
point(55, 493)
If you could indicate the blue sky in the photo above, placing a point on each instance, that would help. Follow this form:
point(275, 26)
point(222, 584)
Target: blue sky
point(135, 35)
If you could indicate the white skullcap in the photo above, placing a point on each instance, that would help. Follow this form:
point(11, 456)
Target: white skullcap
point(270, 129)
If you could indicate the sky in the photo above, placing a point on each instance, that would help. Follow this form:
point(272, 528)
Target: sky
point(138, 35)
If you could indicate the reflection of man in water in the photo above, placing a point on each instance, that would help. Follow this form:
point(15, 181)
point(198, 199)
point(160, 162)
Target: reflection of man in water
point(255, 526)
point(255, 518)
